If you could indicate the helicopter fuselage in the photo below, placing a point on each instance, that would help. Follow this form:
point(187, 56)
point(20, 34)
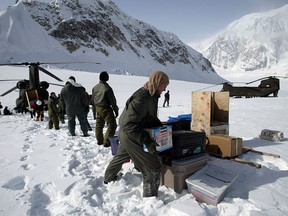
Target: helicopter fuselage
point(267, 87)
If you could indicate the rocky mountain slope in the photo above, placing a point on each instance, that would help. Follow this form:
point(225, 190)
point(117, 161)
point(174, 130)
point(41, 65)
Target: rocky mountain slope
point(97, 31)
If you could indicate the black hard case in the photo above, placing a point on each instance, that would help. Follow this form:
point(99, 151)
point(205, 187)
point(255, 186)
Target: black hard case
point(186, 143)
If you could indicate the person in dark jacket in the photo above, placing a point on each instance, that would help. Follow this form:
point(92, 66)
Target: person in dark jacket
point(74, 101)
point(140, 113)
point(87, 111)
point(167, 98)
point(53, 110)
point(6, 111)
point(105, 103)
point(61, 112)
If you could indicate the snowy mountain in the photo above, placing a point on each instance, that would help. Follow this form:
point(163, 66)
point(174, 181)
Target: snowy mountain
point(96, 31)
point(256, 41)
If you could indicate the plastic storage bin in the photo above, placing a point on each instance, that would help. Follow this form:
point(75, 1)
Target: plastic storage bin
point(174, 175)
point(210, 184)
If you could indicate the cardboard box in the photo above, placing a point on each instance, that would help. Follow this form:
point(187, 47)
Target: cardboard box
point(210, 184)
point(224, 145)
point(174, 176)
point(163, 136)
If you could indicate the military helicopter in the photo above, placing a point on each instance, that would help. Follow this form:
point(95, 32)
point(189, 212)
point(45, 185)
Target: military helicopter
point(268, 86)
point(31, 89)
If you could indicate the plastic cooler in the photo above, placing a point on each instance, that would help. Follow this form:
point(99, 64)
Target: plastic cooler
point(211, 183)
point(174, 175)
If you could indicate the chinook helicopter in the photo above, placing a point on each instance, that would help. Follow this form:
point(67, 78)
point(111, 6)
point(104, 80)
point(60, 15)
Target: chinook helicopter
point(32, 89)
point(268, 86)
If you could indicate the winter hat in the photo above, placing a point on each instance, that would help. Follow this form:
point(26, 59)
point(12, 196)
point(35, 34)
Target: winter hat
point(157, 78)
point(72, 78)
point(52, 94)
point(39, 102)
point(104, 76)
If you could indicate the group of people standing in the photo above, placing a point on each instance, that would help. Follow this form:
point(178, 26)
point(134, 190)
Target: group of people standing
point(139, 113)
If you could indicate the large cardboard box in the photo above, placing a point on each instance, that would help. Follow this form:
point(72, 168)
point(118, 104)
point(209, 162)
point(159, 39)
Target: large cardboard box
point(224, 145)
point(174, 175)
point(211, 183)
point(163, 136)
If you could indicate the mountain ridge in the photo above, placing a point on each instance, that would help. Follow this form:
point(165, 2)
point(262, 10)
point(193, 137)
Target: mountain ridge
point(99, 31)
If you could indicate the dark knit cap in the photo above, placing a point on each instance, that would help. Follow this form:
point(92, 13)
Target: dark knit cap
point(72, 78)
point(104, 76)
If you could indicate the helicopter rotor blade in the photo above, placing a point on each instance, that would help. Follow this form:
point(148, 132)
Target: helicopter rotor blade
point(210, 86)
point(57, 84)
point(8, 80)
point(284, 77)
point(20, 63)
point(69, 63)
point(256, 80)
point(10, 90)
point(50, 74)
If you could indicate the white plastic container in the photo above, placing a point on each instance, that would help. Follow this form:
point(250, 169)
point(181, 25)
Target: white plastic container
point(210, 184)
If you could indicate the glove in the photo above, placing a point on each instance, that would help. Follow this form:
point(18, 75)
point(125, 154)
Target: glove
point(152, 147)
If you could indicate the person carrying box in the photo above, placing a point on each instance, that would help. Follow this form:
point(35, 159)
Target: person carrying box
point(140, 112)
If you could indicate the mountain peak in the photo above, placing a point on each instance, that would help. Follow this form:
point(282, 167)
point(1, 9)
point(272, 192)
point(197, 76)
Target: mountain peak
point(255, 41)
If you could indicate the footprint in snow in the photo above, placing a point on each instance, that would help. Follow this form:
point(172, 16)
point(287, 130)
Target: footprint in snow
point(27, 166)
point(24, 158)
point(17, 183)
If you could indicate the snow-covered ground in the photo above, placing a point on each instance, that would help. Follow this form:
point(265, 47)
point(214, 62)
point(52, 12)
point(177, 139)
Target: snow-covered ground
point(47, 172)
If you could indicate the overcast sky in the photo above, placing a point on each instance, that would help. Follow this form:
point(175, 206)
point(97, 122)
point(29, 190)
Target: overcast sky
point(190, 20)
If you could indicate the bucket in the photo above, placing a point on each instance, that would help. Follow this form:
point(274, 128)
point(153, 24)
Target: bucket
point(272, 135)
point(114, 141)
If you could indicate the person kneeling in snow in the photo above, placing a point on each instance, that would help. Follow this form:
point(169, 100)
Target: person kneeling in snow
point(140, 113)
point(6, 111)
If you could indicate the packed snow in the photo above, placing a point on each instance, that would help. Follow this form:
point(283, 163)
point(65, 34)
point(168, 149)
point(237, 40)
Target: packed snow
point(47, 172)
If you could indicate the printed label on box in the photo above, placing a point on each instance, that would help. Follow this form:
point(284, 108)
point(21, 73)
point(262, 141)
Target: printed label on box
point(162, 135)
